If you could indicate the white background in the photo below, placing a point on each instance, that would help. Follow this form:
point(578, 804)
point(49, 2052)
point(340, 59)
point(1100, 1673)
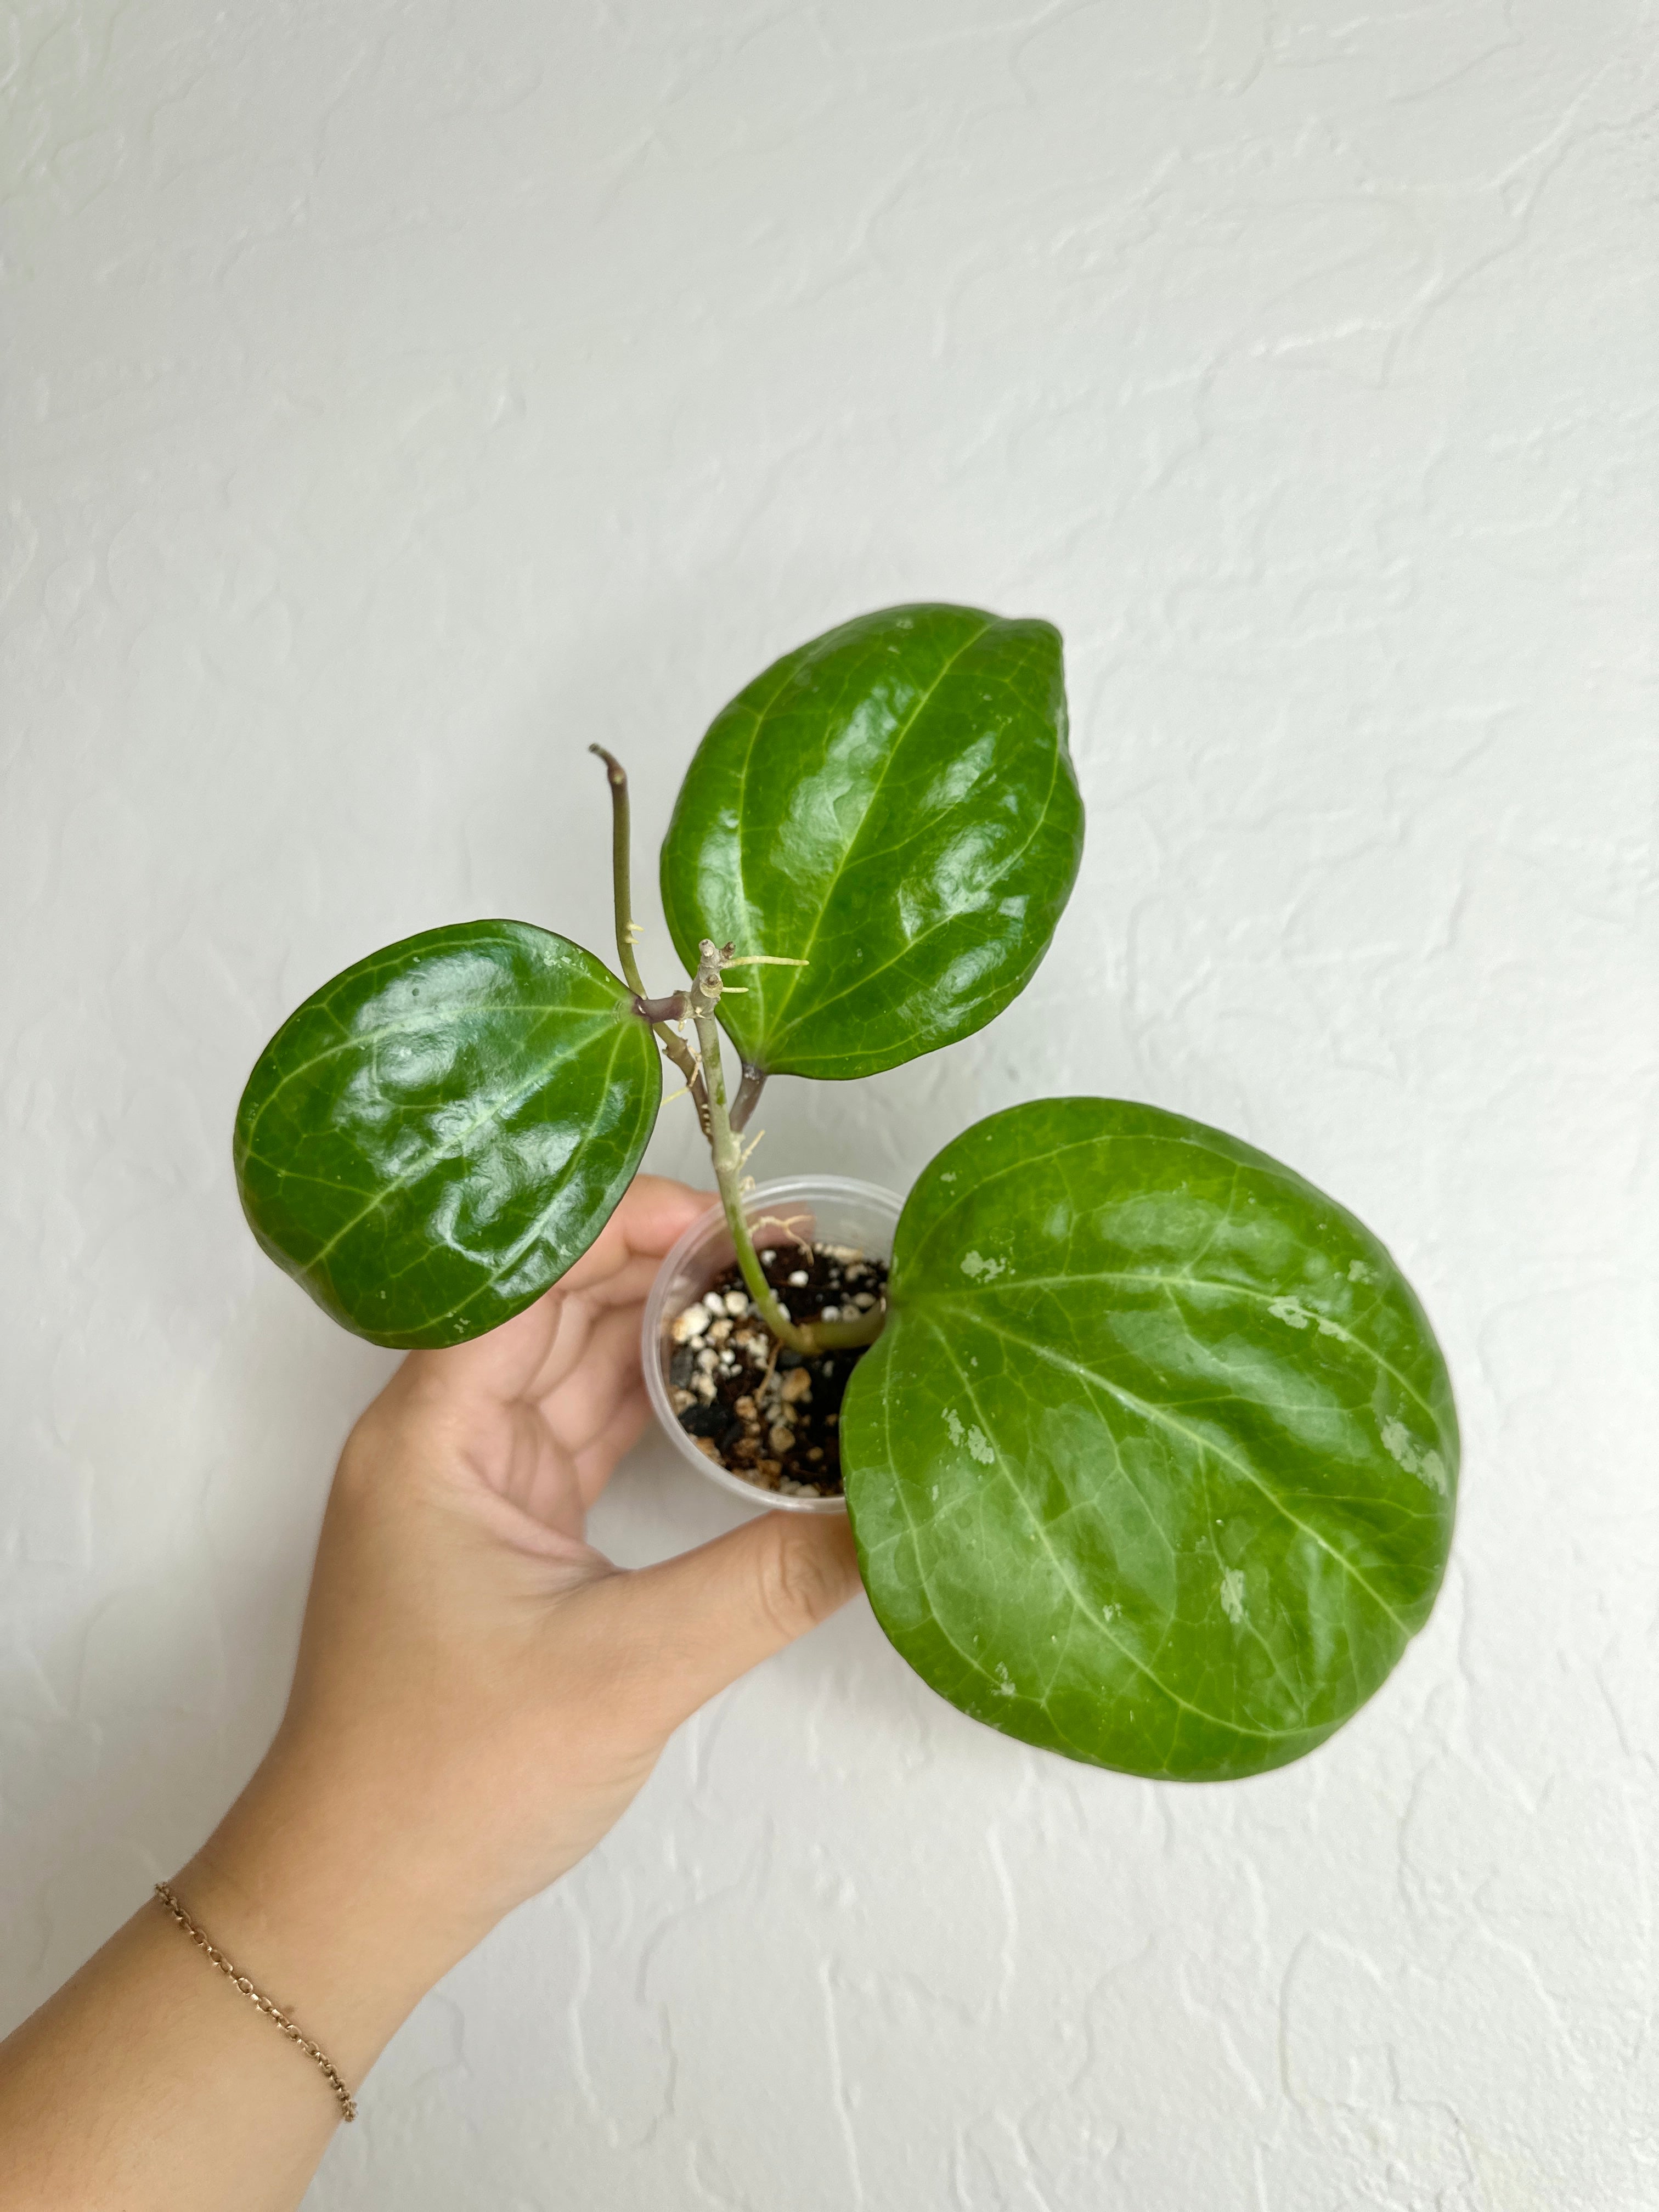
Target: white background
point(402, 395)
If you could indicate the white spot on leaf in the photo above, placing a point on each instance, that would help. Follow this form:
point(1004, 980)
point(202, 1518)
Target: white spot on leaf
point(975, 1439)
point(978, 1269)
point(1291, 1311)
point(1420, 1459)
point(1232, 1595)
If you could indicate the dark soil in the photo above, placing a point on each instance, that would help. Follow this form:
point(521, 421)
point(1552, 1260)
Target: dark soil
point(766, 1412)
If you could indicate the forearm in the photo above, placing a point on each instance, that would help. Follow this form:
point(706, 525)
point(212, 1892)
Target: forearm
point(150, 2082)
point(478, 1696)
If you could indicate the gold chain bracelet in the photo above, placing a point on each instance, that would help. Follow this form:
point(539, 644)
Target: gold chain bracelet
point(342, 2094)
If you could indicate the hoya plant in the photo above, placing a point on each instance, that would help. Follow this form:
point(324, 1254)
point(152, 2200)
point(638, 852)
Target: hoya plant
point(1151, 1458)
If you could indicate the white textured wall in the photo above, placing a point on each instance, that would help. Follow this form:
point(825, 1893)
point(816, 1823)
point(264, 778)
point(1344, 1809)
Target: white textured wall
point(401, 394)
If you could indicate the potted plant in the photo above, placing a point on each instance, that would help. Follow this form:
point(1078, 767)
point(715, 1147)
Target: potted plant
point(1149, 1449)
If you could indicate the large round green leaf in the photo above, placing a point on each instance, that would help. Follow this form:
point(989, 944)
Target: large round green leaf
point(436, 1135)
point(1154, 1464)
point(895, 805)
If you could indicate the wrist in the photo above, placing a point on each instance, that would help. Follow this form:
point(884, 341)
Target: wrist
point(330, 1913)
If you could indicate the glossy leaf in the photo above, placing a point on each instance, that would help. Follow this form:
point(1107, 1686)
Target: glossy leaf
point(437, 1134)
point(1155, 1462)
point(894, 804)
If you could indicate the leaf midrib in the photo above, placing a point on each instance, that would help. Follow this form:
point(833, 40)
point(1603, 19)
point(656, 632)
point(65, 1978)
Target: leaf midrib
point(1200, 1284)
point(536, 1227)
point(1082, 1608)
point(1159, 1417)
point(894, 745)
point(360, 1040)
point(430, 1162)
point(866, 976)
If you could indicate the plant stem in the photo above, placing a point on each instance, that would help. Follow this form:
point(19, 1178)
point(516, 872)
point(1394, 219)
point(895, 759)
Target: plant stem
point(676, 1047)
point(804, 1337)
point(617, 775)
point(705, 996)
point(748, 1098)
point(705, 1078)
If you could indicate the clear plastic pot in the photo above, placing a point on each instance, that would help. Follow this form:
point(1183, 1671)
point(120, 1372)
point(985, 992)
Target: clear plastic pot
point(819, 1209)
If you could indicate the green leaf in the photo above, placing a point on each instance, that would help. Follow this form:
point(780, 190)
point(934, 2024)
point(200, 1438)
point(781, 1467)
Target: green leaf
point(438, 1133)
point(1155, 1461)
point(895, 805)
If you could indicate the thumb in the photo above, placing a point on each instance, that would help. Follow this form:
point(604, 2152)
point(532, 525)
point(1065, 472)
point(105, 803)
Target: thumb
point(700, 1620)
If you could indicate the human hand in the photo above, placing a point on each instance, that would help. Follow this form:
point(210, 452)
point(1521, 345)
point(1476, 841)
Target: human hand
point(479, 1693)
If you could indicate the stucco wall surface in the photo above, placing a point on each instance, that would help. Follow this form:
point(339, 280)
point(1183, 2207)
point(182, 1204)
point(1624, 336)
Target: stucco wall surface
point(401, 394)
